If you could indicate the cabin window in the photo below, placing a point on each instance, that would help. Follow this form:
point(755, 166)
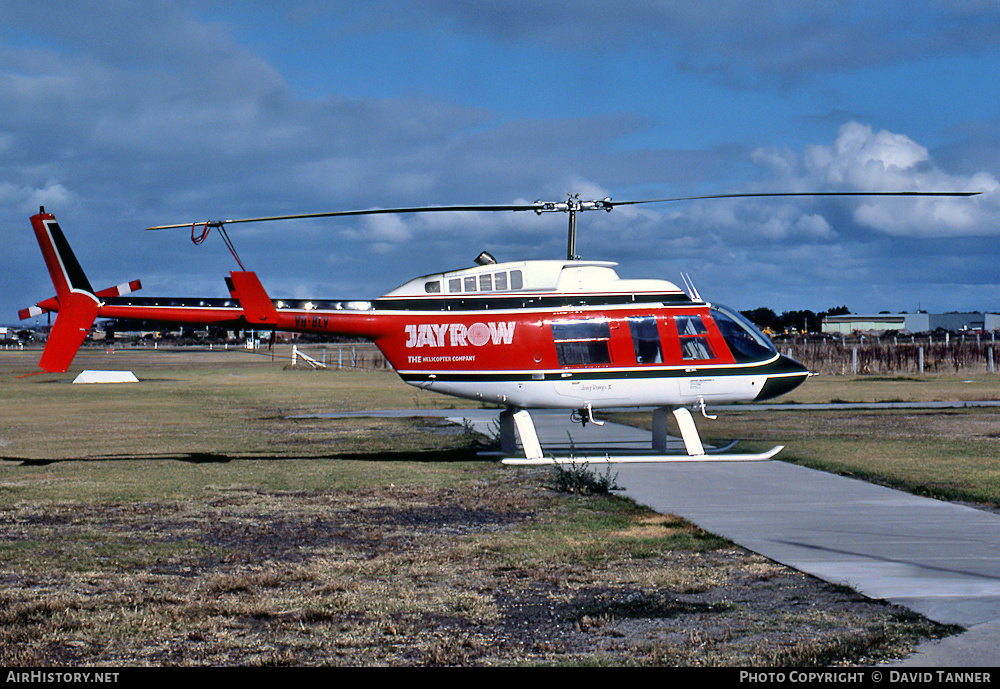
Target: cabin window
point(470, 284)
point(455, 285)
point(582, 342)
point(500, 281)
point(694, 338)
point(690, 325)
point(515, 279)
point(696, 348)
point(486, 283)
point(432, 287)
point(646, 340)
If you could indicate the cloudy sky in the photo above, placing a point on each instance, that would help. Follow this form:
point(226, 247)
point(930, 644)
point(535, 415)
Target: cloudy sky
point(121, 115)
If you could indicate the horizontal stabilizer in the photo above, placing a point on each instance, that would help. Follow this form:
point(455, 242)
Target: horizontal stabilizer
point(31, 312)
point(120, 290)
point(52, 303)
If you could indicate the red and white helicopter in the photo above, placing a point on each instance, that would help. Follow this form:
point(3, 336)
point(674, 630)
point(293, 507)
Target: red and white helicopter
point(567, 334)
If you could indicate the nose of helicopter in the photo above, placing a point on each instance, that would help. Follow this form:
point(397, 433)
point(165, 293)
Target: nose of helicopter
point(785, 375)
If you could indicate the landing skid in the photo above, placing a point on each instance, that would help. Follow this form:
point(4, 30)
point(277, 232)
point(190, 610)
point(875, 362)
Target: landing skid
point(648, 459)
point(519, 421)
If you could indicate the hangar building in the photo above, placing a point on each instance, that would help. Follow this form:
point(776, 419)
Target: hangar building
point(910, 322)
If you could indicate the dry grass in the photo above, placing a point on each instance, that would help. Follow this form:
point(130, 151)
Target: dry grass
point(497, 571)
point(189, 521)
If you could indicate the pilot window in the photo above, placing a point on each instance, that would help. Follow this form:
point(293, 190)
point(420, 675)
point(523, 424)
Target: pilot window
point(582, 342)
point(432, 287)
point(645, 340)
point(745, 341)
point(694, 338)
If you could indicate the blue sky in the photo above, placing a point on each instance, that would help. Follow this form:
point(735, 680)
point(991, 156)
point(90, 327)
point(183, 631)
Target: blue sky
point(118, 115)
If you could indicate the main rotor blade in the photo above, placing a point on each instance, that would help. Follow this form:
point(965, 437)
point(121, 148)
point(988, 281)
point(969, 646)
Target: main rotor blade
point(541, 207)
point(369, 211)
point(796, 193)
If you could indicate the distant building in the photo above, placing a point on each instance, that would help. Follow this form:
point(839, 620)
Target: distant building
point(910, 322)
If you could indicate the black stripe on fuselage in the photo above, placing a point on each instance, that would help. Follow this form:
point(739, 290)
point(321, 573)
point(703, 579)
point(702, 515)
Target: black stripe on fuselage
point(430, 306)
point(782, 366)
point(524, 301)
point(174, 302)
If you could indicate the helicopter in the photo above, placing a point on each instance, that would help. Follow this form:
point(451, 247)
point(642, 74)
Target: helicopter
point(534, 334)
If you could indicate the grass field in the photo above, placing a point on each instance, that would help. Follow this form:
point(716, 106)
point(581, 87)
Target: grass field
point(190, 520)
point(927, 388)
point(953, 454)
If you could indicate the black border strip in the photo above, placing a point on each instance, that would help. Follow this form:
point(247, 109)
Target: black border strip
point(782, 366)
point(511, 302)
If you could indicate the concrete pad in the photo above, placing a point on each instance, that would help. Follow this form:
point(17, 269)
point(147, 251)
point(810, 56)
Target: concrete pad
point(106, 377)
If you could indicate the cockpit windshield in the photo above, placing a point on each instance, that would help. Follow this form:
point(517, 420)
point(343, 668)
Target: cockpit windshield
point(745, 341)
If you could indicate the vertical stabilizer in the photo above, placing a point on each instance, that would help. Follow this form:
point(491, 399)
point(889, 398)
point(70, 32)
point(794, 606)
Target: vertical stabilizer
point(77, 305)
point(65, 270)
point(76, 314)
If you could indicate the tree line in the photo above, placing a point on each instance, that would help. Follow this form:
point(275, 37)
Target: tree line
point(805, 321)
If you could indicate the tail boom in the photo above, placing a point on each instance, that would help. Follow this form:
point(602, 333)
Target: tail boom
point(78, 305)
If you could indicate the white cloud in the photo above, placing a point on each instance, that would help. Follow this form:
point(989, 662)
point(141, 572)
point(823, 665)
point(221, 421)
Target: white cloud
point(386, 229)
point(26, 198)
point(813, 226)
point(864, 160)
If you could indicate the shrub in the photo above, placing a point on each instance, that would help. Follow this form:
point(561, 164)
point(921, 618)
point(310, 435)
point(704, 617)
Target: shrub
point(582, 480)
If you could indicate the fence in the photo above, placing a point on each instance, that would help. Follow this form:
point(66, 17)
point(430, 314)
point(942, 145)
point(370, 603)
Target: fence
point(894, 356)
point(867, 356)
point(359, 355)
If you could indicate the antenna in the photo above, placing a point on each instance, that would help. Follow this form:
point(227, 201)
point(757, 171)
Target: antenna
point(691, 289)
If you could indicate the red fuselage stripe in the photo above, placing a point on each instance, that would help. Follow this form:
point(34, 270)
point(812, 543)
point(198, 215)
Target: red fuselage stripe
point(466, 341)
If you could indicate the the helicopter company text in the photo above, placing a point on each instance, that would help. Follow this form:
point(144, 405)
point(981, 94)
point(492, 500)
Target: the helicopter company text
point(459, 335)
point(439, 359)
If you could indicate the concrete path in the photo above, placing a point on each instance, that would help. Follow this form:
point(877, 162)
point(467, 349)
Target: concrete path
point(939, 559)
point(935, 558)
